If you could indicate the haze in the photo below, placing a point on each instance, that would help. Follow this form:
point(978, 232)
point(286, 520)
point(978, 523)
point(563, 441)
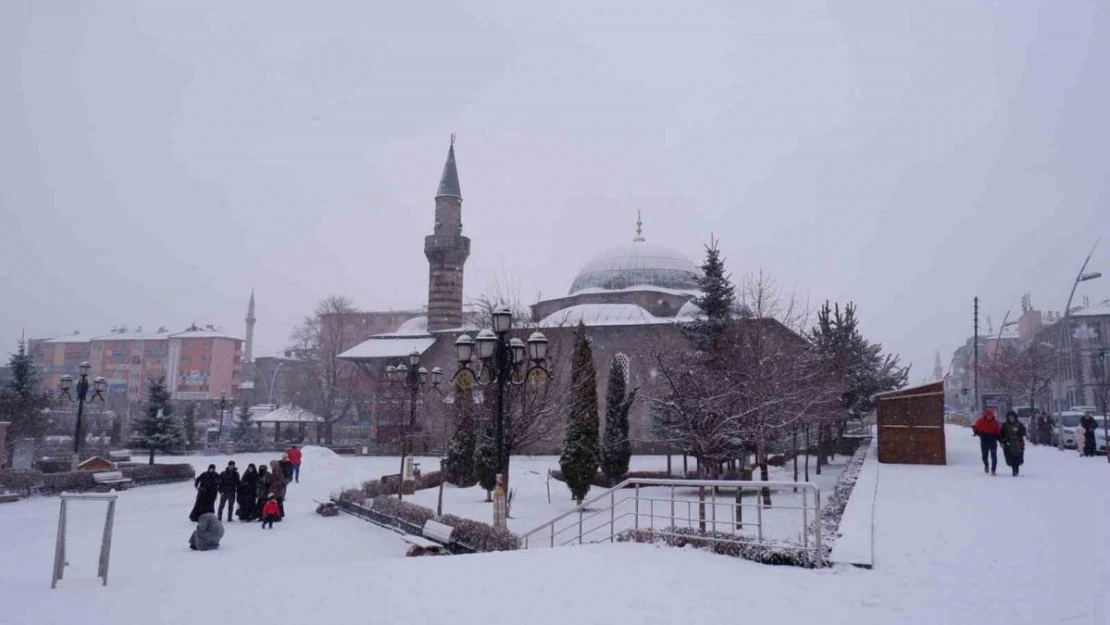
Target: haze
point(160, 159)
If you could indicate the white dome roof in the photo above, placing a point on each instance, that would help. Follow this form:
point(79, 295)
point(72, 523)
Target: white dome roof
point(600, 315)
point(637, 264)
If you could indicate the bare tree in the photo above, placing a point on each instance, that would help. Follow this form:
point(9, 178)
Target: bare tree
point(1020, 373)
point(329, 387)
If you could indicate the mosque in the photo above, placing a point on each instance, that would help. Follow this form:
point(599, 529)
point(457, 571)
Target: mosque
point(631, 298)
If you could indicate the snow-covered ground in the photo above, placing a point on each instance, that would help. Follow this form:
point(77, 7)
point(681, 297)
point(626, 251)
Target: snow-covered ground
point(952, 546)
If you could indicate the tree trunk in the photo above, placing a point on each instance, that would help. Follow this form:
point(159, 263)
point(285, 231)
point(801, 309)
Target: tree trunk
point(820, 435)
point(794, 451)
point(806, 435)
point(685, 468)
point(669, 465)
point(151, 459)
point(763, 473)
point(701, 497)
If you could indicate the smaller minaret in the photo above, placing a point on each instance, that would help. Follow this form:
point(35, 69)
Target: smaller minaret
point(248, 347)
point(938, 369)
point(639, 238)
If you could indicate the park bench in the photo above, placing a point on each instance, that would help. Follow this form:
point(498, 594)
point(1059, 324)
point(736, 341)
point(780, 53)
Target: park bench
point(433, 541)
point(109, 479)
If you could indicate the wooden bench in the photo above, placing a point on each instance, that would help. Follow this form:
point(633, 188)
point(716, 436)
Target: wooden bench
point(111, 478)
point(435, 537)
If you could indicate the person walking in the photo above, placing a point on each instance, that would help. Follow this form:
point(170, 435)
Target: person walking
point(988, 429)
point(264, 482)
point(1089, 425)
point(207, 485)
point(277, 487)
point(286, 467)
point(229, 488)
point(270, 513)
point(248, 494)
point(295, 456)
point(1013, 442)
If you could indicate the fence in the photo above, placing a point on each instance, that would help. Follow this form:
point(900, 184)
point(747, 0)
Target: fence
point(664, 505)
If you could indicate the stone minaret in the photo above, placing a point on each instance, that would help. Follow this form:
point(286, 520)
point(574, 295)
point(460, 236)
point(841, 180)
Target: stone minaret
point(447, 250)
point(938, 369)
point(248, 347)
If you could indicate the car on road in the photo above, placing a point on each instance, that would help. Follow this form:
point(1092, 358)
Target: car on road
point(1068, 426)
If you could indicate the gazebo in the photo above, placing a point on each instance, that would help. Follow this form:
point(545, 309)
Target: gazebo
point(291, 416)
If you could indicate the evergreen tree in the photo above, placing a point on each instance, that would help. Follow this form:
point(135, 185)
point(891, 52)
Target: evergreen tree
point(579, 461)
point(485, 459)
point(21, 403)
point(459, 464)
point(115, 436)
point(190, 424)
point(616, 451)
point(716, 303)
point(245, 432)
point(157, 430)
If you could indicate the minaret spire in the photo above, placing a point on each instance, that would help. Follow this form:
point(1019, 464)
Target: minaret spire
point(446, 250)
point(248, 347)
point(449, 180)
point(639, 238)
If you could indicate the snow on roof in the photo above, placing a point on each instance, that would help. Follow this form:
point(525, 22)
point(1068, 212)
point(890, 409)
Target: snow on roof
point(287, 414)
point(417, 326)
point(386, 346)
point(601, 315)
point(640, 287)
point(204, 334)
point(70, 338)
point(1101, 308)
point(133, 336)
point(637, 264)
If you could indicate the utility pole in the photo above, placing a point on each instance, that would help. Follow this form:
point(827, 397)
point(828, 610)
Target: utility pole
point(975, 365)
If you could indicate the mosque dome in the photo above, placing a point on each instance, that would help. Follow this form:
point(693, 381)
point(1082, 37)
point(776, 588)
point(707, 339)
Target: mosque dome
point(637, 264)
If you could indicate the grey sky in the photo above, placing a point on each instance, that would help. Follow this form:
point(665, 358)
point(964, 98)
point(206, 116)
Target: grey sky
point(159, 159)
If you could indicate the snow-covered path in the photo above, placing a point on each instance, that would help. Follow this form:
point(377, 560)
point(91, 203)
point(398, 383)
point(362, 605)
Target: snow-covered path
point(952, 546)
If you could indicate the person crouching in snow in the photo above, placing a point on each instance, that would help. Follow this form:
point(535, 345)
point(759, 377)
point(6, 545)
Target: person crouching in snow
point(988, 430)
point(208, 533)
point(1013, 441)
point(270, 513)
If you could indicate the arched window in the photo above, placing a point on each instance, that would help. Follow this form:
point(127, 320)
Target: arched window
point(626, 365)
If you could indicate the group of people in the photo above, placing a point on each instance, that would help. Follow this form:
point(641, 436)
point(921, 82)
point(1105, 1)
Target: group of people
point(991, 433)
point(259, 491)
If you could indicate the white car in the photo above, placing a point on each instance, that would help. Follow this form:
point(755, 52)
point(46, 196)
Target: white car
point(1070, 427)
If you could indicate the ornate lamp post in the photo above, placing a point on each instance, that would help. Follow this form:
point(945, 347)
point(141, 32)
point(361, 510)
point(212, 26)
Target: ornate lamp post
point(495, 358)
point(223, 411)
point(82, 396)
point(414, 378)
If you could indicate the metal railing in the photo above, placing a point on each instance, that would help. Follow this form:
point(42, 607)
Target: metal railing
point(657, 505)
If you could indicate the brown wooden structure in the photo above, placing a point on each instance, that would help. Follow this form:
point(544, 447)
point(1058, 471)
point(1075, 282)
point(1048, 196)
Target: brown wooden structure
point(911, 425)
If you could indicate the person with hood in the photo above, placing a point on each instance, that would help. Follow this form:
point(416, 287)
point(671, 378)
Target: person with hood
point(229, 488)
point(208, 533)
point(248, 493)
point(208, 487)
point(277, 487)
point(1013, 442)
point(295, 457)
point(988, 429)
point(286, 467)
point(1089, 425)
point(264, 482)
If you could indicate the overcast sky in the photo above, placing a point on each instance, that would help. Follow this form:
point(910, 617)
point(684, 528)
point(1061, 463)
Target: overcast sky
point(158, 159)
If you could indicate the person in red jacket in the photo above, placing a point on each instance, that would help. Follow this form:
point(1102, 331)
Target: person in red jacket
point(295, 459)
point(270, 513)
point(989, 430)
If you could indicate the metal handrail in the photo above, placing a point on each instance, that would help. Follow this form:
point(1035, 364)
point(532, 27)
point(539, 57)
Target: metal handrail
point(585, 513)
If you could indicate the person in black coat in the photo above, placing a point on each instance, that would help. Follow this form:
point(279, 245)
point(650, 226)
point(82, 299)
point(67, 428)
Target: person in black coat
point(1089, 426)
point(264, 482)
point(208, 487)
point(229, 488)
point(1013, 442)
point(248, 494)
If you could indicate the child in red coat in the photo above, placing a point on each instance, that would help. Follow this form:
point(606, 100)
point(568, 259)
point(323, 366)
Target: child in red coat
point(270, 513)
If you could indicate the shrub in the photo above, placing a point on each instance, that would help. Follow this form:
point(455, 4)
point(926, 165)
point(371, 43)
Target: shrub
point(22, 481)
point(771, 552)
point(157, 473)
point(402, 510)
point(353, 495)
point(53, 466)
point(481, 536)
point(70, 481)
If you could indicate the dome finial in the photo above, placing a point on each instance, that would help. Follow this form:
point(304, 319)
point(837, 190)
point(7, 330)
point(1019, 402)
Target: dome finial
point(639, 228)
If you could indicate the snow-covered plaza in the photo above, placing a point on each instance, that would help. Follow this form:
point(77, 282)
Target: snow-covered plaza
point(952, 545)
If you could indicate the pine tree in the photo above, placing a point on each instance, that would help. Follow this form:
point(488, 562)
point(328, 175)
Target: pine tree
point(485, 459)
point(245, 432)
point(116, 433)
point(579, 461)
point(21, 403)
point(190, 424)
point(616, 451)
point(459, 464)
point(157, 430)
point(716, 303)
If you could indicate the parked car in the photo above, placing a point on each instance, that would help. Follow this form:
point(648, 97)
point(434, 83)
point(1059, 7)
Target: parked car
point(1068, 425)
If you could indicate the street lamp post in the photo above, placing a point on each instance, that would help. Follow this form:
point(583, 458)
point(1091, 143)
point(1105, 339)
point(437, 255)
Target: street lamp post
point(414, 378)
point(1082, 276)
point(500, 361)
point(65, 384)
point(223, 411)
point(273, 379)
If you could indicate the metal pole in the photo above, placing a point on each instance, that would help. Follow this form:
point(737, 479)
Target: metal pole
point(82, 390)
point(106, 541)
point(503, 350)
point(1067, 325)
point(636, 524)
point(270, 399)
point(60, 547)
point(975, 367)
point(817, 512)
